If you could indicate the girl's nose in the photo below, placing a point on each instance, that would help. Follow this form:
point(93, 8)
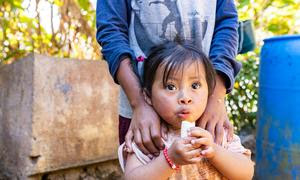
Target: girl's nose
point(185, 99)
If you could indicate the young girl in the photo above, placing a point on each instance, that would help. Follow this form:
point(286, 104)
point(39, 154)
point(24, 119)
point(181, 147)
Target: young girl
point(177, 80)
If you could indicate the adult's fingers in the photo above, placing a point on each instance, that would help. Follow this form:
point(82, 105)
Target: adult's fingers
point(138, 141)
point(202, 121)
point(156, 137)
point(164, 131)
point(210, 126)
point(147, 141)
point(219, 133)
point(128, 140)
point(228, 125)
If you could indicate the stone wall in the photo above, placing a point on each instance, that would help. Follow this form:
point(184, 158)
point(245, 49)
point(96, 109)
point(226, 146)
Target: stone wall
point(56, 114)
point(108, 170)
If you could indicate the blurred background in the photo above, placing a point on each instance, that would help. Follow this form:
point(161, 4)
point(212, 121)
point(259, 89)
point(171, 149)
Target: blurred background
point(66, 28)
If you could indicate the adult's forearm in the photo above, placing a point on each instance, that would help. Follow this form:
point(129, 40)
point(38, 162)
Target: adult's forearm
point(130, 83)
point(220, 88)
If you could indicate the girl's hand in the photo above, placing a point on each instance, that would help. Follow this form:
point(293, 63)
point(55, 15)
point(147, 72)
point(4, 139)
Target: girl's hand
point(182, 152)
point(145, 130)
point(204, 141)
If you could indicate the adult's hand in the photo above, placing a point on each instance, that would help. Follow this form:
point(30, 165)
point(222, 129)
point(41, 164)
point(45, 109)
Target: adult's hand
point(145, 130)
point(215, 118)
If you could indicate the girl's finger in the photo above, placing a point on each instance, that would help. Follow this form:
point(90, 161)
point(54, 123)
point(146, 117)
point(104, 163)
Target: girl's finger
point(197, 132)
point(209, 150)
point(195, 160)
point(186, 140)
point(188, 147)
point(197, 143)
point(193, 153)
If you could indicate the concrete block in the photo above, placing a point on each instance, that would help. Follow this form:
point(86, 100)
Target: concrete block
point(56, 114)
point(108, 170)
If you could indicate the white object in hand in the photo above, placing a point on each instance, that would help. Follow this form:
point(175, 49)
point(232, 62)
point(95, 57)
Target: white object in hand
point(185, 125)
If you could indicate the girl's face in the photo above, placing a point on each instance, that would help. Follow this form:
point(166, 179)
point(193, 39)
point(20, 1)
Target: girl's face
point(183, 97)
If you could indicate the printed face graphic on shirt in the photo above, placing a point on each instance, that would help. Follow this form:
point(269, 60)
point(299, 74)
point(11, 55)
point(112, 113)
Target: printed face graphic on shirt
point(173, 16)
point(157, 20)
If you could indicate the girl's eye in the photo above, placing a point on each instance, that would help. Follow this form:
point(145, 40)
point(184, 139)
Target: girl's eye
point(196, 85)
point(171, 87)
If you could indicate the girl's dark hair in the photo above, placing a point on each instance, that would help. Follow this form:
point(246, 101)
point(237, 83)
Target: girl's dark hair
point(174, 55)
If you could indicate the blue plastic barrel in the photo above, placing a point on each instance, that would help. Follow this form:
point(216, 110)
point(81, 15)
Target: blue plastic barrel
point(278, 120)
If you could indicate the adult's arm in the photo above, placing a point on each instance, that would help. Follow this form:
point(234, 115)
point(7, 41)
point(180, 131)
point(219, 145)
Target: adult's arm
point(222, 54)
point(112, 21)
point(113, 17)
point(225, 43)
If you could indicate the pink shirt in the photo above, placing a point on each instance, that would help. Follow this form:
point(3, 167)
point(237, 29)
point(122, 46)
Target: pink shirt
point(202, 170)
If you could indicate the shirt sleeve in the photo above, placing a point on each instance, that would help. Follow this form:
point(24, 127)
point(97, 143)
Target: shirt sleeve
point(225, 42)
point(236, 146)
point(112, 21)
point(122, 155)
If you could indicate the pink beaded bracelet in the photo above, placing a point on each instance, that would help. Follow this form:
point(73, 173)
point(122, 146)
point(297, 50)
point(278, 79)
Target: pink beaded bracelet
point(170, 162)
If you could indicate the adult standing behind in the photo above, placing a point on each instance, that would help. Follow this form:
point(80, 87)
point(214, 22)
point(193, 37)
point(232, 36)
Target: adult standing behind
point(127, 29)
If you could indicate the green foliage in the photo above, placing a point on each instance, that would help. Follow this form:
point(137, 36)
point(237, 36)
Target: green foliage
point(84, 4)
point(271, 18)
point(22, 31)
point(242, 102)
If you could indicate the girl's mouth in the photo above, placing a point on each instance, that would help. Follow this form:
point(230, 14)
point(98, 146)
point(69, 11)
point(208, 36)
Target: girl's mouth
point(183, 114)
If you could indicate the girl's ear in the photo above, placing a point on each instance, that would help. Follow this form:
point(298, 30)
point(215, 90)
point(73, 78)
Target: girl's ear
point(146, 97)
